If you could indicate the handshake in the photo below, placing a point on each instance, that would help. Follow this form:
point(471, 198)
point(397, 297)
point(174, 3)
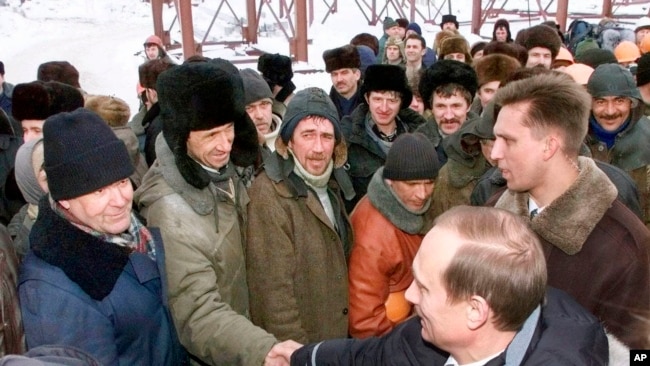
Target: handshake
point(280, 354)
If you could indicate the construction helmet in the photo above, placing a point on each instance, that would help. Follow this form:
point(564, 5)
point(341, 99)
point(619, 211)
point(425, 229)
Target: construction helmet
point(627, 51)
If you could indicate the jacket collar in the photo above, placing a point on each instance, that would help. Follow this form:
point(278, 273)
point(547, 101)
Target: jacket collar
point(569, 219)
point(93, 264)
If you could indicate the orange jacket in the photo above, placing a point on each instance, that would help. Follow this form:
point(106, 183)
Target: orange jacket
point(379, 272)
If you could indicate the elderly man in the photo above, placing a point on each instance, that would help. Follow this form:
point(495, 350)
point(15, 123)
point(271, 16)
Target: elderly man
point(618, 131)
point(34, 102)
point(258, 100)
point(91, 279)
point(373, 126)
point(542, 43)
point(540, 127)
point(299, 237)
point(195, 192)
point(343, 65)
point(463, 316)
point(447, 88)
point(389, 224)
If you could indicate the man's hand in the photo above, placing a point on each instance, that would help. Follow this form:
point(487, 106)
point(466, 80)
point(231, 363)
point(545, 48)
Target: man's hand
point(280, 354)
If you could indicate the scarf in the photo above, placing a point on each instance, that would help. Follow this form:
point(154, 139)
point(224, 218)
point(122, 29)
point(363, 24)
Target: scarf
point(137, 237)
point(608, 137)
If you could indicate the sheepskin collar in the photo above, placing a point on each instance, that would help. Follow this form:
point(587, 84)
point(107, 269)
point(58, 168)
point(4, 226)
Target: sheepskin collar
point(385, 201)
point(568, 221)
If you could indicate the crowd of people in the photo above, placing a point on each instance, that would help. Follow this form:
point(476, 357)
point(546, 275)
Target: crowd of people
point(445, 204)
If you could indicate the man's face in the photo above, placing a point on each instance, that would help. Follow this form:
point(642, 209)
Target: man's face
point(392, 53)
point(449, 113)
point(107, 210)
point(345, 81)
point(486, 92)
point(486, 150)
point(517, 151)
point(455, 56)
point(312, 144)
point(212, 147)
point(261, 112)
point(32, 129)
point(539, 56)
point(640, 34)
point(392, 31)
point(417, 104)
point(413, 193)
point(443, 323)
point(383, 106)
point(449, 25)
point(501, 34)
point(414, 50)
point(401, 32)
point(611, 112)
point(152, 51)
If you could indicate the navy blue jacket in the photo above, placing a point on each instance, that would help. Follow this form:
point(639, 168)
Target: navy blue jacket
point(79, 291)
point(566, 334)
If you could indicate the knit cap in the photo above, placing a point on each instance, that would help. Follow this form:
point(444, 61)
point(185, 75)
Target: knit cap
point(309, 102)
point(255, 88)
point(389, 23)
point(415, 27)
point(596, 57)
point(82, 154)
point(411, 157)
point(612, 80)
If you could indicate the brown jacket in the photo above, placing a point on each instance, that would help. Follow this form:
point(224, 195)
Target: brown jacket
point(597, 250)
point(386, 239)
point(295, 258)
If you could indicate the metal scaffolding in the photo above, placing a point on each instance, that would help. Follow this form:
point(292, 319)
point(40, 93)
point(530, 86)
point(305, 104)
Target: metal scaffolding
point(299, 14)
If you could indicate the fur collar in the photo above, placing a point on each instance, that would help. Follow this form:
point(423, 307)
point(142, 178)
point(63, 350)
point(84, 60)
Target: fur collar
point(389, 206)
point(91, 263)
point(568, 221)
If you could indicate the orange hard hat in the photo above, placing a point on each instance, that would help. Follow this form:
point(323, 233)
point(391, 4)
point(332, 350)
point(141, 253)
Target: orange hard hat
point(579, 72)
point(627, 51)
point(155, 40)
point(564, 55)
point(397, 307)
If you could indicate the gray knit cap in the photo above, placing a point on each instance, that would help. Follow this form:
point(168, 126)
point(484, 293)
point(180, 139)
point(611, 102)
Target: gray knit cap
point(255, 88)
point(309, 102)
point(411, 157)
point(612, 80)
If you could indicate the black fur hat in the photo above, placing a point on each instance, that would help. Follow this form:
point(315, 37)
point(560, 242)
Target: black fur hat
point(275, 68)
point(384, 77)
point(346, 57)
point(540, 36)
point(448, 18)
point(40, 100)
point(446, 72)
point(201, 96)
point(61, 71)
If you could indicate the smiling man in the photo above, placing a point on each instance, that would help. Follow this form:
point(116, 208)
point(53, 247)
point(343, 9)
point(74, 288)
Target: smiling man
point(299, 237)
point(541, 123)
point(467, 262)
point(618, 130)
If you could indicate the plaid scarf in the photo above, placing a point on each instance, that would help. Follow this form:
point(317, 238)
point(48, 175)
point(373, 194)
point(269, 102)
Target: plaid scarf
point(137, 237)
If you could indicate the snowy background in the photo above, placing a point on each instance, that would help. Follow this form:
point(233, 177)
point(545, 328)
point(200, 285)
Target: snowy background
point(103, 39)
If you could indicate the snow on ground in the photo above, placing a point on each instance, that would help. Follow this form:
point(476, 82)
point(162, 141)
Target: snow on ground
point(103, 39)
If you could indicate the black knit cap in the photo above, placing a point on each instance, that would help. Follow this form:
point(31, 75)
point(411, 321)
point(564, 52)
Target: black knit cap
point(411, 157)
point(82, 154)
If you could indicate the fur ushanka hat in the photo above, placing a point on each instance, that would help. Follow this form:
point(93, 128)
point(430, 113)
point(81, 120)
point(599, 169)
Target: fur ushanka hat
point(39, 100)
point(446, 72)
point(495, 67)
point(346, 57)
point(61, 71)
point(457, 44)
point(383, 77)
point(201, 96)
point(540, 36)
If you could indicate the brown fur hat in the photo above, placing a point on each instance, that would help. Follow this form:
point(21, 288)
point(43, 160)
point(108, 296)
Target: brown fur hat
point(61, 71)
point(149, 71)
point(495, 67)
point(114, 111)
point(366, 39)
point(441, 36)
point(40, 100)
point(510, 49)
point(540, 36)
point(346, 57)
point(456, 44)
point(402, 22)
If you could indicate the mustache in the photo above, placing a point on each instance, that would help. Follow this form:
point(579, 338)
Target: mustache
point(611, 116)
point(450, 120)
